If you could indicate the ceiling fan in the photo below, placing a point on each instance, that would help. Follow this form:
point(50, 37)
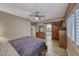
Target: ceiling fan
point(37, 16)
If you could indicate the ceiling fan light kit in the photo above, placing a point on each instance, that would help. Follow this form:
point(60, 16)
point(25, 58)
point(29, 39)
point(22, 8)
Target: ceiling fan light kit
point(36, 18)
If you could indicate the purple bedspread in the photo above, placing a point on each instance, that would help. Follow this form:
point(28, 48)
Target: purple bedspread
point(28, 46)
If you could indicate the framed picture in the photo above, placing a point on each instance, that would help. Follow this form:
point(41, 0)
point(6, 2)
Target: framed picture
point(41, 29)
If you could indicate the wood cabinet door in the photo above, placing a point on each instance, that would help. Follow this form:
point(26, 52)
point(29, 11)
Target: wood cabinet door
point(55, 33)
point(62, 39)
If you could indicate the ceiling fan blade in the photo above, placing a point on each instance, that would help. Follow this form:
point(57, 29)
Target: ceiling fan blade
point(36, 14)
point(31, 15)
point(41, 15)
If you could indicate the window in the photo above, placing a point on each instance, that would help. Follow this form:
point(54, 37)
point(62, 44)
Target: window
point(77, 27)
point(73, 27)
point(70, 27)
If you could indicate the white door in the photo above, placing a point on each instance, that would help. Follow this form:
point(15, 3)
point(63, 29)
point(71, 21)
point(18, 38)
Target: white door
point(33, 31)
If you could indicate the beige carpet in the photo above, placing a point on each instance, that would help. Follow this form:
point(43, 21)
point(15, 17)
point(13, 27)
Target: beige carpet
point(54, 49)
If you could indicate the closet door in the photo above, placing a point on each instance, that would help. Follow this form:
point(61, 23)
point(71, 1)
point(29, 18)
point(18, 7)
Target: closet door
point(55, 33)
point(55, 30)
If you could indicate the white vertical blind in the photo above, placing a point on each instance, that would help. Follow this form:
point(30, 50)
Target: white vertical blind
point(73, 26)
point(70, 27)
point(77, 27)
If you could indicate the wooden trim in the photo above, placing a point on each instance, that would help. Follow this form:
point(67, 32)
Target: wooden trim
point(68, 52)
point(66, 10)
point(69, 9)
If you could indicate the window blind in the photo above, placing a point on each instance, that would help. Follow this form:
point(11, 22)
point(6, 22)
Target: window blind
point(77, 27)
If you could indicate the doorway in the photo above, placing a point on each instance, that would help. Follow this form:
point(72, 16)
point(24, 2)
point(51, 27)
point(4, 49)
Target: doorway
point(48, 31)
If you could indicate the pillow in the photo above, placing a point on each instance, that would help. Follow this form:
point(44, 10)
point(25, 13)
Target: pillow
point(7, 50)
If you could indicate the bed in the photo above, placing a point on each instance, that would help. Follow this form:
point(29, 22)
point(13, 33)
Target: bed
point(29, 46)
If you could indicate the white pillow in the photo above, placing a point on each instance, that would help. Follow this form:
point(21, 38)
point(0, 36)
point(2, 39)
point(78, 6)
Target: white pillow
point(6, 49)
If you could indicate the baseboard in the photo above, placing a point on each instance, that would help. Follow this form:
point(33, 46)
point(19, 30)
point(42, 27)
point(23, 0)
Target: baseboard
point(68, 52)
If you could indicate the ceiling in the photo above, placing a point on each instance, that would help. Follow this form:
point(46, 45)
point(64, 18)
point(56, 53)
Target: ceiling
point(50, 10)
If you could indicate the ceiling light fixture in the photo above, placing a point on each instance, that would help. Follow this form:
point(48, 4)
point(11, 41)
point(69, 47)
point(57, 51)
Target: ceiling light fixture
point(36, 18)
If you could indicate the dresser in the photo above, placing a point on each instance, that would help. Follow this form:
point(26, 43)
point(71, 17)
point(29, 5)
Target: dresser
point(40, 35)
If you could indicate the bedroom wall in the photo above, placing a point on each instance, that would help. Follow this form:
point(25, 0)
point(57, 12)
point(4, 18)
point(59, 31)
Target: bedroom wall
point(72, 49)
point(12, 26)
point(47, 21)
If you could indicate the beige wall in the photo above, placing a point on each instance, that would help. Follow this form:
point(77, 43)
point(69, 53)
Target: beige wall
point(48, 21)
point(12, 27)
point(72, 49)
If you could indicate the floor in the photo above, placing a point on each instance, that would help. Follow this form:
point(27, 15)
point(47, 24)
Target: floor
point(54, 49)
